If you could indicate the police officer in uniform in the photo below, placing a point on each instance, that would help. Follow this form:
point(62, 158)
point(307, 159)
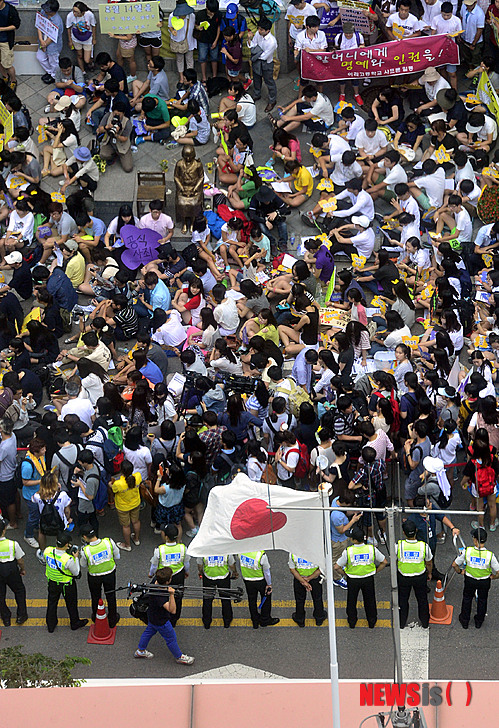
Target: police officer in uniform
point(215, 572)
point(255, 570)
point(61, 568)
point(360, 562)
point(306, 579)
point(100, 556)
point(414, 565)
point(11, 572)
point(174, 555)
point(479, 566)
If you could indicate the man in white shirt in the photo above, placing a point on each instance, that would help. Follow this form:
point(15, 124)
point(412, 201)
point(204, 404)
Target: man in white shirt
point(447, 24)
point(313, 109)
point(457, 219)
point(361, 201)
point(345, 168)
point(76, 405)
point(225, 312)
point(362, 241)
point(404, 202)
point(481, 132)
point(424, 101)
point(352, 122)
point(391, 172)
point(431, 8)
point(428, 190)
point(263, 45)
point(296, 14)
point(403, 24)
point(311, 38)
point(473, 20)
point(371, 142)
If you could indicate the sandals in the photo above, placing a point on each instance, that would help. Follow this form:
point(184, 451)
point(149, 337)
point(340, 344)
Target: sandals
point(123, 547)
point(136, 542)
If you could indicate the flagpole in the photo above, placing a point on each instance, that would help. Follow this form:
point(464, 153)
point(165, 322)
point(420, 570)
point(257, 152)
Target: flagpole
point(324, 490)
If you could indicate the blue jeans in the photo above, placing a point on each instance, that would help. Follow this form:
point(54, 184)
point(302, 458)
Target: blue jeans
point(33, 519)
point(282, 232)
point(97, 117)
point(206, 52)
point(168, 634)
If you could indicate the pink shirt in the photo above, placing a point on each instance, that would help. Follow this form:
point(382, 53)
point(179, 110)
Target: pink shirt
point(294, 146)
point(161, 225)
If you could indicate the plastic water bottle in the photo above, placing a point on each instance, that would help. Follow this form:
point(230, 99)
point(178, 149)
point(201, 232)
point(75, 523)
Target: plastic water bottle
point(292, 241)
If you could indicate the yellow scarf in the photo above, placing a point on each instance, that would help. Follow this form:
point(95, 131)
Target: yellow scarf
point(38, 463)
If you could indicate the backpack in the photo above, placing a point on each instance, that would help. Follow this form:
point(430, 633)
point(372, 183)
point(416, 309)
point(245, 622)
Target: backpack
point(234, 469)
point(112, 454)
point(51, 522)
point(26, 113)
point(304, 462)
point(485, 479)
point(6, 399)
point(295, 396)
point(69, 465)
point(466, 313)
point(18, 478)
point(466, 412)
point(441, 500)
point(395, 409)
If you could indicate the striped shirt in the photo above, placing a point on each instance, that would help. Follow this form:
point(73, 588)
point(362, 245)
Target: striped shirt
point(128, 321)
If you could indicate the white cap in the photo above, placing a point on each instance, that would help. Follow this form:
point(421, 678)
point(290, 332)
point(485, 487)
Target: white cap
point(361, 220)
point(15, 257)
point(433, 465)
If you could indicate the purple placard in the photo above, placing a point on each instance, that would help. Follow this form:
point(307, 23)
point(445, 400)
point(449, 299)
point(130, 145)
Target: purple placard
point(141, 245)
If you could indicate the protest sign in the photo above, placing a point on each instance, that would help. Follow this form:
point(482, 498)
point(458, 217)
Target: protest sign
point(47, 27)
point(413, 55)
point(7, 121)
point(353, 11)
point(141, 245)
point(125, 18)
point(488, 96)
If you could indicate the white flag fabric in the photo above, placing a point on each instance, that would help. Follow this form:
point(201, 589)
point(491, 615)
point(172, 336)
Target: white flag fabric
point(237, 520)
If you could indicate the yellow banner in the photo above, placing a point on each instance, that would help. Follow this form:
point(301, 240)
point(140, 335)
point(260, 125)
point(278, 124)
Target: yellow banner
point(487, 95)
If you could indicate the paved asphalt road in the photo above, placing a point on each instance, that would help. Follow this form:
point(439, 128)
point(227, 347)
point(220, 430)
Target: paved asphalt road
point(284, 649)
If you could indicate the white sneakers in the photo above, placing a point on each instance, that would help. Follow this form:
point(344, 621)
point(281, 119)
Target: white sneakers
point(32, 542)
point(182, 660)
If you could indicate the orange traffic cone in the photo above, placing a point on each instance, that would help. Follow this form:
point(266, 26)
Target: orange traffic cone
point(440, 612)
point(101, 633)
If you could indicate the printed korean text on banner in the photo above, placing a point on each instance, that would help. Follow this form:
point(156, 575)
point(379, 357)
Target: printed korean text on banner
point(237, 519)
point(488, 96)
point(141, 245)
point(47, 27)
point(413, 55)
point(125, 18)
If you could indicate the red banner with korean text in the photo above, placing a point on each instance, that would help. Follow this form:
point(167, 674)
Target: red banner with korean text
point(395, 58)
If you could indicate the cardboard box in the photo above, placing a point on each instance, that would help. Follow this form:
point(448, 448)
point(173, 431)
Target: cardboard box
point(25, 61)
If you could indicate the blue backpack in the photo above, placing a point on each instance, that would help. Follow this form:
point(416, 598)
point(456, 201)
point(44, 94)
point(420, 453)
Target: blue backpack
point(215, 223)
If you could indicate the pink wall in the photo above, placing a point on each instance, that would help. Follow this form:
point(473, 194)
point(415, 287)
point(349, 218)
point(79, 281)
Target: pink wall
point(275, 704)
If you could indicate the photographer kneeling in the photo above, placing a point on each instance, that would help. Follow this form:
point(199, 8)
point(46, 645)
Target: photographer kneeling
point(116, 129)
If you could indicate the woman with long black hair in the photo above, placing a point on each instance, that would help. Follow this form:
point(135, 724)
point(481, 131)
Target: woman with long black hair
point(140, 409)
point(238, 419)
point(358, 336)
point(92, 377)
point(125, 217)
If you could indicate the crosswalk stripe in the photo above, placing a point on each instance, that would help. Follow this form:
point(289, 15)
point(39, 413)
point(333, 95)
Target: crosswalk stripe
point(196, 622)
point(277, 603)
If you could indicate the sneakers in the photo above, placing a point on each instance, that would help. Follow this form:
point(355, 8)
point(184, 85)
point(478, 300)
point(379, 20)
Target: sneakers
point(39, 556)
point(145, 654)
point(139, 140)
point(308, 218)
point(373, 541)
point(358, 99)
point(341, 583)
point(192, 532)
point(474, 524)
point(342, 98)
point(494, 525)
point(32, 542)
point(247, 83)
point(182, 660)
point(47, 109)
point(81, 623)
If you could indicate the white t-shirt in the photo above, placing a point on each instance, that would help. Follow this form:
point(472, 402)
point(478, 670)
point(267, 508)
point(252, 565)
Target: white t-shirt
point(443, 27)
point(490, 127)
point(432, 89)
point(247, 112)
point(292, 459)
point(421, 258)
point(412, 207)
point(434, 186)
point(464, 224)
point(323, 109)
point(337, 145)
point(364, 242)
point(394, 338)
point(371, 145)
point(317, 43)
point(273, 428)
point(140, 459)
point(81, 407)
point(172, 333)
point(430, 13)
point(342, 173)
point(403, 28)
point(91, 388)
point(394, 176)
point(354, 127)
point(298, 17)
point(23, 225)
point(62, 502)
point(466, 172)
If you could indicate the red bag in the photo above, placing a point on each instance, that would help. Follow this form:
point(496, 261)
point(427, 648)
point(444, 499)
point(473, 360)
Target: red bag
point(485, 479)
point(304, 462)
point(226, 214)
point(395, 409)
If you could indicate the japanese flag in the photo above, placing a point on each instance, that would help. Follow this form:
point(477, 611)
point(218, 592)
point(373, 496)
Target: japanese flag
point(237, 519)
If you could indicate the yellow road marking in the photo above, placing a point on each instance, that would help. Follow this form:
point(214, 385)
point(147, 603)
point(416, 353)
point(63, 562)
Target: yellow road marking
point(195, 622)
point(196, 603)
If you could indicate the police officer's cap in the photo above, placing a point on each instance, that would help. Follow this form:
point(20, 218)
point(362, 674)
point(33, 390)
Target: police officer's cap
point(480, 534)
point(409, 528)
point(356, 533)
point(64, 538)
point(87, 530)
point(170, 531)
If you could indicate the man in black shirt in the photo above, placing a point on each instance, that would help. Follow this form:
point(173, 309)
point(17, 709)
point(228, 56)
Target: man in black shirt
point(21, 281)
point(455, 110)
point(268, 210)
point(158, 619)
point(108, 66)
point(10, 307)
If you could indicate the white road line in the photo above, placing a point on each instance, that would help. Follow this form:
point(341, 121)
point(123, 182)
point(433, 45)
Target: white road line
point(415, 642)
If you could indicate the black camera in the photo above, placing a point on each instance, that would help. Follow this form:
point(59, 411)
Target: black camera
point(73, 550)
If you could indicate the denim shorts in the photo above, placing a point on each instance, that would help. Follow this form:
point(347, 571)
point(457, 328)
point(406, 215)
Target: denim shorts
point(207, 53)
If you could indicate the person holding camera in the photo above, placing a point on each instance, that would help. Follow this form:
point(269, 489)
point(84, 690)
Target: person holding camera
point(62, 567)
point(116, 129)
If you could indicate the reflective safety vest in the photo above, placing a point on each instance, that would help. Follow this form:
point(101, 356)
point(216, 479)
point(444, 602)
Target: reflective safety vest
point(251, 565)
point(477, 562)
point(55, 566)
point(303, 567)
point(172, 555)
point(215, 567)
point(411, 557)
point(7, 550)
point(100, 557)
point(360, 561)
